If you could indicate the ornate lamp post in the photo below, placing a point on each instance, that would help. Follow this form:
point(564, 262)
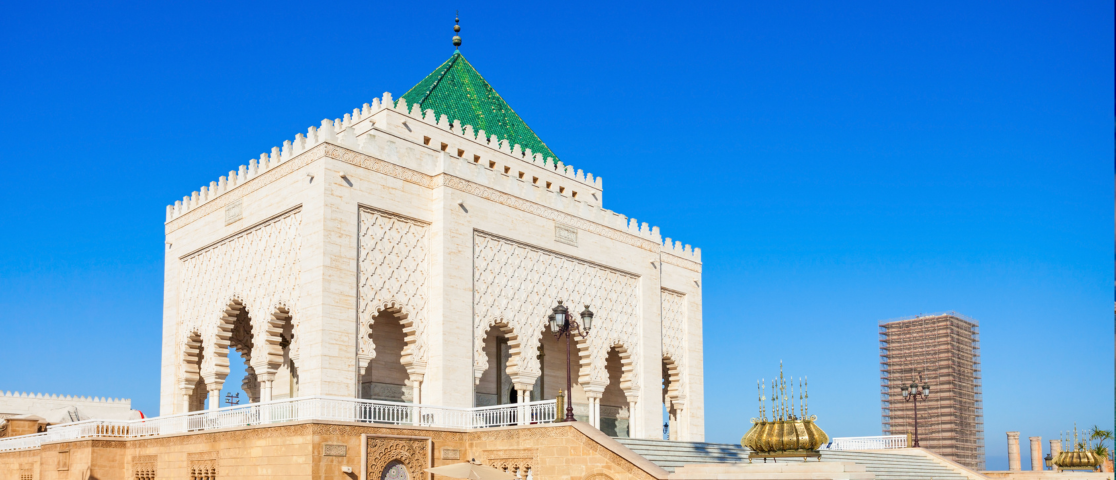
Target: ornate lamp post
point(561, 324)
point(912, 393)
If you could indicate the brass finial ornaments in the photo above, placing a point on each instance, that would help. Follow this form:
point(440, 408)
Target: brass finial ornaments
point(456, 29)
point(785, 434)
point(1080, 458)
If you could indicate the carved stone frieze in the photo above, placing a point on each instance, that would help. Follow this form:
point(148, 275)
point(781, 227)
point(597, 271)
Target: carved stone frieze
point(681, 262)
point(394, 270)
point(517, 284)
point(414, 453)
point(559, 216)
point(674, 341)
point(379, 166)
point(218, 204)
point(256, 270)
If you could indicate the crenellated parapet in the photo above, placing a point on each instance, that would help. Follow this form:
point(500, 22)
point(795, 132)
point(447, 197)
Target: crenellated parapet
point(446, 147)
point(67, 398)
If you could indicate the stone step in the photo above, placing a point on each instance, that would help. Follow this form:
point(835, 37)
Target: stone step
point(672, 455)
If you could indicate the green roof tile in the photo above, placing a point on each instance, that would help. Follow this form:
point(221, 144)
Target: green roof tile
point(457, 90)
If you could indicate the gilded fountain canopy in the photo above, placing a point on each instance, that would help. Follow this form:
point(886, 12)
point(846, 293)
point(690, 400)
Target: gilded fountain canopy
point(790, 431)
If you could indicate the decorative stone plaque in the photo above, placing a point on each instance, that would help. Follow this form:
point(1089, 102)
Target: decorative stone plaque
point(565, 234)
point(335, 450)
point(451, 454)
point(64, 460)
point(233, 211)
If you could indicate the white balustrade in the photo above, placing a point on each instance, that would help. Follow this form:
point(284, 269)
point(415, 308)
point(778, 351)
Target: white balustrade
point(290, 410)
point(883, 442)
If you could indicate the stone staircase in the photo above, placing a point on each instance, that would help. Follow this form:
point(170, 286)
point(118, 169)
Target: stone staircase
point(899, 464)
point(670, 454)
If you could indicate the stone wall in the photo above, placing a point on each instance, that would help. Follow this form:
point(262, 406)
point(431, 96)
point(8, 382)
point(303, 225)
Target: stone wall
point(319, 451)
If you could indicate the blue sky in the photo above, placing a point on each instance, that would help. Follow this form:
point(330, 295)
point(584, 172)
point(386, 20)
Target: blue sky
point(838, 164)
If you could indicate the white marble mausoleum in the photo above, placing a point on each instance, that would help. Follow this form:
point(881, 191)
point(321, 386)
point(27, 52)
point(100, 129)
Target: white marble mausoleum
point(411, 251)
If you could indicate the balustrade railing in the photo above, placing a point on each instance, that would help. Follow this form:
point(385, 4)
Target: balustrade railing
point(867, 443)
point(291, 410)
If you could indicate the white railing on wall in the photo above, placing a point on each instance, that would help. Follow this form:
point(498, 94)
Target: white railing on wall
point(292, 410)
point(867, 443)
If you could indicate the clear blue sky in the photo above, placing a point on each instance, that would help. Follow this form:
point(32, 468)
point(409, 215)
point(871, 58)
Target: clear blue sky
point(838, 164)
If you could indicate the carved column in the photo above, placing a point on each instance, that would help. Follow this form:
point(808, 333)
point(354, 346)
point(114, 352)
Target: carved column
point(416, 388)
point(214, 395)
point(1036, 453)
point(594, 408)
point(677, 421)
point(522, 397)
point(632, 431)
point(1013, 452)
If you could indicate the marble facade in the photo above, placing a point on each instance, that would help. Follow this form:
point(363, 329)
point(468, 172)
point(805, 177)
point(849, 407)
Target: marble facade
point(386, 254)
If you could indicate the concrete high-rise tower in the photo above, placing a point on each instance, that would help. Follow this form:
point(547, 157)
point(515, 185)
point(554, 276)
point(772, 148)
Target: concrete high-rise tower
point(944, 349)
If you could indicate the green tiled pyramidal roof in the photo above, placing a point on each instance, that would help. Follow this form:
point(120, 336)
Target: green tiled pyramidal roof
point(457, 90)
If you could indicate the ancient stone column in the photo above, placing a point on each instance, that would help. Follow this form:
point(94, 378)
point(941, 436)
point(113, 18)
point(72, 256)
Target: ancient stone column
point(1055, 449)
point(1036, 453)
point(1013, 452)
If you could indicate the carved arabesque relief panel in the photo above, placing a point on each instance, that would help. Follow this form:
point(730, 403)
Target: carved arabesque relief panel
point(674, 338)
point(414, 453)
point(394, 270)
point(260, 267)
point(517, 285)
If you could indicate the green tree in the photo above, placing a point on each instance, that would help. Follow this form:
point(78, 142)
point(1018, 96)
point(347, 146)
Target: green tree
point(1101, 436)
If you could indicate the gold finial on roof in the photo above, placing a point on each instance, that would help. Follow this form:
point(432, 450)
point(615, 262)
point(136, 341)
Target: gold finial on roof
point(456, 29)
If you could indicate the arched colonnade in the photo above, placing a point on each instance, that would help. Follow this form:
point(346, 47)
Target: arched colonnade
point(263, 342)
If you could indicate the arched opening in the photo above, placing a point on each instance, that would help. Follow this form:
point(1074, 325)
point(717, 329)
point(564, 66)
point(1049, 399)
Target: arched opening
point(194, 356)
point(241, 385)
point(395, 471)
point(285, 384)
point(385, 377)
point(552, 361)
point(615, 414)
point(670, 414)
point(495, 386)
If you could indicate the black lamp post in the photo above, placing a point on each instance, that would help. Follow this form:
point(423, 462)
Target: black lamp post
point(913, 393)
point(562, 324)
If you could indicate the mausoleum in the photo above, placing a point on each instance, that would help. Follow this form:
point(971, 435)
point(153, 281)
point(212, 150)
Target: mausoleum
point(410, 251)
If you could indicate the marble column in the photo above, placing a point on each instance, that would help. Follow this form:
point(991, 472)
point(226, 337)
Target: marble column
point(1013, 452)
point(1036, 453)
point(1055, 449)
point(632, 419)
point(522, 397)
point(594, 398)
point(214, 396)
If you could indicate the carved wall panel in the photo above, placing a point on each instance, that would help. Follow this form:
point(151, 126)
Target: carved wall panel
point(202, 465)
point(513, 460)
point(517, 285)
point(414, 453)
point(674, 340)
point(260, 269)
point(394, 271)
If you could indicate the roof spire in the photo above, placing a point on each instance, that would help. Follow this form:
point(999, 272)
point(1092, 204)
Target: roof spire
point(456, 29)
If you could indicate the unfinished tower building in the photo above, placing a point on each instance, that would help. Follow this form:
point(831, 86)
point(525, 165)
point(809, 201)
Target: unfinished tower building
point(945, 350)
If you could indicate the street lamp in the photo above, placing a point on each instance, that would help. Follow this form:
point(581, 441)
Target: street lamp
point(912, 393)
point(561, 324)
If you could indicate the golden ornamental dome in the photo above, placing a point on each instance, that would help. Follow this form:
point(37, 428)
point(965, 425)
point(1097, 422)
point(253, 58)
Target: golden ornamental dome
point(1080, 458)
point(785, 434)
